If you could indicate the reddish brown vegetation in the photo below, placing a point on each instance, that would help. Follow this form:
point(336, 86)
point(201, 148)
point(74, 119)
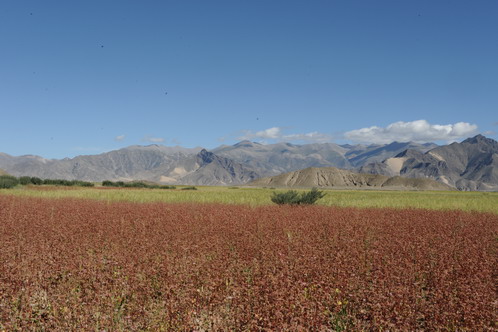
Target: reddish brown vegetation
point(72, 264)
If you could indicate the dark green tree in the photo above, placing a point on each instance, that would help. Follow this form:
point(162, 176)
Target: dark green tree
point(8, 181)
point(36, 181)
point(24, 180)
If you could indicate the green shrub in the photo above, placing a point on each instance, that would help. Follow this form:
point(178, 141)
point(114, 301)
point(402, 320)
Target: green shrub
point(312, 196)
point(8, 181)
point(79, 183)
point(167, 187)
point(67, 183)
point(107, 183)
point(36, 181)
point(292, 197)
point(24, 180)
point(136, 184)
point(189, 188)
point(289, 197)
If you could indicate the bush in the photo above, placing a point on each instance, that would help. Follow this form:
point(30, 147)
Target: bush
point(292, 197)
point(67, 183)
point(167, 187)
point(289, 197)
point(24, 180)
point(137, 184)
point(312, 196)
point(108, 183)
point(8, 181)
point(79, 183)
point(36, 181)
point(56, 182)
point(189, 188)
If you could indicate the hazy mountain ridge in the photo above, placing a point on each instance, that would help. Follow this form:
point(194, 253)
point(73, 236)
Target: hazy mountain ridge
point(245, 161)
point(216, 170)
point(153, 163)
point(469, 165)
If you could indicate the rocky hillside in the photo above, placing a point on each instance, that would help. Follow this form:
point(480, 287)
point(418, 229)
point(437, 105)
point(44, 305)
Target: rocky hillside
point(225, 165)
point(334, 177)
point(123, 164)
point(210, 169)
point(273, 159)
point(152, 163)
point(359, 155)
point(469, 165)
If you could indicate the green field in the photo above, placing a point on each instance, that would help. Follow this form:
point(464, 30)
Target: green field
point(437, 200)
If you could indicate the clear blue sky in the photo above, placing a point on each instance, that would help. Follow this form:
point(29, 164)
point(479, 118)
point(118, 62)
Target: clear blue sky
point(84, 77)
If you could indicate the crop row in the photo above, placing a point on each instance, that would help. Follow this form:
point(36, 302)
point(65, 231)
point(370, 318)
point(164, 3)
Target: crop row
point(72, 264)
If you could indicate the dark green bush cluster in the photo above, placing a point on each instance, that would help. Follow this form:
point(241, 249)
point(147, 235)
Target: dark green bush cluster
point(292, 197)
point(189, 188)
point(25, 180)
point(67, 183)
point(135, 184)
point(8, 181)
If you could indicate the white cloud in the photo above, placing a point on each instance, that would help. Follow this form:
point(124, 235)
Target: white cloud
point(153, 139)
point(119, 138)
point(419, 131)
point(310, 137)
point(270, 133)
point(276, 134)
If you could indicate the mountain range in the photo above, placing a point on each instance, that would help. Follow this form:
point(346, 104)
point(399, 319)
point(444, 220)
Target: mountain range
point(470, 165)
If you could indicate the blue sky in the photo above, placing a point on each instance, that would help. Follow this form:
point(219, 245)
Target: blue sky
point(84, 77)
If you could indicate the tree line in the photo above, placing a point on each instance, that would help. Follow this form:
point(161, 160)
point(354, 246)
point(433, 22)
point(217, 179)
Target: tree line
point(9, 181)
point(135, 184)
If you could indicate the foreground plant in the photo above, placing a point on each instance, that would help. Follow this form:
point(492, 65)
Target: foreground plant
point(292, 197)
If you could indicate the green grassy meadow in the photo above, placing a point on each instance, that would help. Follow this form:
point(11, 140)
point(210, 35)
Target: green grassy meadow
point(436, 200)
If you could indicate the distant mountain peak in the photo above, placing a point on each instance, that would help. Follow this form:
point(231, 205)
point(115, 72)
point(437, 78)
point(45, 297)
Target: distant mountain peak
point(245, 143)
point(206, 156)
point(479, 139)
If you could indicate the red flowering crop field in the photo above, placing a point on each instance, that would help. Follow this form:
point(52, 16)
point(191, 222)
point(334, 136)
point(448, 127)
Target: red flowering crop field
point(68, 264)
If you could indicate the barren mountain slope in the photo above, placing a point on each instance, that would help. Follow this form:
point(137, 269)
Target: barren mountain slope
point(333, 177)
point(469, 165)
point(273, 159)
